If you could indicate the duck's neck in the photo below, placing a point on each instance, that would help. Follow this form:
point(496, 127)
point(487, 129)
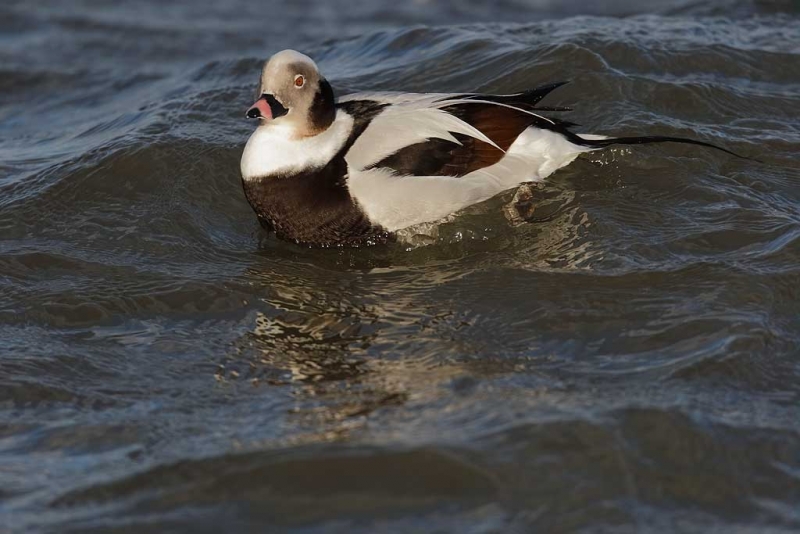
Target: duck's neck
point(276, 150)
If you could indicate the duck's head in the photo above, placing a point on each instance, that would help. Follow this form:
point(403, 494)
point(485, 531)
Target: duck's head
point(294, 94)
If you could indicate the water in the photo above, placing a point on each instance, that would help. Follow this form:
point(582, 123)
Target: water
point(621, 355)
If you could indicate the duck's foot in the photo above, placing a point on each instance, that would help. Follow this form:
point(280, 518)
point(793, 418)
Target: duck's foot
point(522, 208)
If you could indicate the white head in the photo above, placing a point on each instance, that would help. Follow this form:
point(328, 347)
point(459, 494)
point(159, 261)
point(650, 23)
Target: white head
point(293, 93)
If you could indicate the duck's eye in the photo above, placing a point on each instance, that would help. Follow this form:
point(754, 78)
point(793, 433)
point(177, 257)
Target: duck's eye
point(299, 81)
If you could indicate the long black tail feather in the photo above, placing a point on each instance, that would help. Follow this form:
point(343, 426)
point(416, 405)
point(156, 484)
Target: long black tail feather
point(601, 143)
point(528, 100)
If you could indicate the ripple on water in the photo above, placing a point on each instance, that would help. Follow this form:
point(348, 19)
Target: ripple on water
point(615, 348)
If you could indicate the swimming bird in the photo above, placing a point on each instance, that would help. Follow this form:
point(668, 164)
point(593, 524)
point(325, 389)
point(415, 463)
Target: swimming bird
point(353, 171)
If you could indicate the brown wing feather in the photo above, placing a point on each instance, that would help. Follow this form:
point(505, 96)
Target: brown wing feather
point(439, 157)
point(500, 124)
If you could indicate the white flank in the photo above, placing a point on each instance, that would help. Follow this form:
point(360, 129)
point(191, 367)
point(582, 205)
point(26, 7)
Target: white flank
point(272, 149)
point(397, 202)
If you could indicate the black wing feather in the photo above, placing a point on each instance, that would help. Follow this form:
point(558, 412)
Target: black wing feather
point(526, 100)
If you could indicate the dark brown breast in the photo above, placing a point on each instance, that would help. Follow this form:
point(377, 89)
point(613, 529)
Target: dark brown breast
point(313, 208)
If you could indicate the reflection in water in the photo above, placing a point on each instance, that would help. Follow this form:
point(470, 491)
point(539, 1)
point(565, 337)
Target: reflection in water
point(334, 360)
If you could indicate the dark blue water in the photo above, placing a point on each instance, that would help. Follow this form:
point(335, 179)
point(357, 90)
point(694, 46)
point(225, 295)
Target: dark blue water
point(622, 355)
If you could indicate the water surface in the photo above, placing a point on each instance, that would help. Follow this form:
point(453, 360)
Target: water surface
point(623, 355)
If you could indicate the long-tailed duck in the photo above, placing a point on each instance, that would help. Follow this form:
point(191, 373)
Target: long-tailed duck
point(351, 172)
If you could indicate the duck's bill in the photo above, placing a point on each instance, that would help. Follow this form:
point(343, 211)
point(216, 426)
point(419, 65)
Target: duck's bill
point(266, 108)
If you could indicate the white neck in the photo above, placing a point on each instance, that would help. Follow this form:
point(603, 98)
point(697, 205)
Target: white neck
point(272, 149)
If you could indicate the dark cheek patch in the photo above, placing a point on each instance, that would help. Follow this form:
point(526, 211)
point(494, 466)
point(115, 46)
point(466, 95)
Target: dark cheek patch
point(323, 109)
point(275, 107)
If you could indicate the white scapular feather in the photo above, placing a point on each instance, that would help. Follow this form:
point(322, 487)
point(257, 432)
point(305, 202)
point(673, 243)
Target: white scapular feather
point(498, 104)
point(406, 123)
